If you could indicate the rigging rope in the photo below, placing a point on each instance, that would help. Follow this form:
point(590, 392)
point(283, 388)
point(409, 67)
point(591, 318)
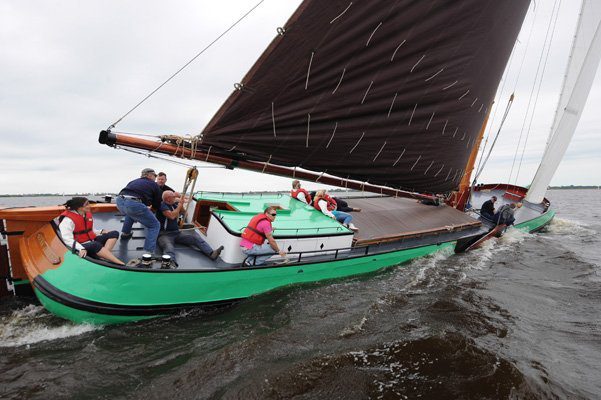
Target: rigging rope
point(538, 90)
point(481, 164)
point(494, 116)
point(185, 65)
point(150, 155)
point(492, 146)
point(536, 78)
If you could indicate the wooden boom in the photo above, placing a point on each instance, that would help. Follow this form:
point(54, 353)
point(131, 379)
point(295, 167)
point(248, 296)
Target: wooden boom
point(113, 139)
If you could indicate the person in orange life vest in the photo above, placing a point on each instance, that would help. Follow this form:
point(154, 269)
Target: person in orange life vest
point(341, 204)
point(253, 238)
point(77, 230)
point(299, 193)
point(324, 203)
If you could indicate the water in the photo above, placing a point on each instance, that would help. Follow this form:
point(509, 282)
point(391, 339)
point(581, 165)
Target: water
point(517, 319)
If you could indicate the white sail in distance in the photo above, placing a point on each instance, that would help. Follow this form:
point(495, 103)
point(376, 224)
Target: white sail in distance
point(582, 67)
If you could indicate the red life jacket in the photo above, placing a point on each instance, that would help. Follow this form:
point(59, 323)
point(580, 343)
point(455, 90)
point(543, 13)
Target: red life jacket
point(294, 193)
point(84, 227)
point(331, 202)
point(251, 233)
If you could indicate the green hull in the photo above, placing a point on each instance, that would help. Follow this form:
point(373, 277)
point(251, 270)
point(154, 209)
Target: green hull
point(85, 292)
point(537, 223)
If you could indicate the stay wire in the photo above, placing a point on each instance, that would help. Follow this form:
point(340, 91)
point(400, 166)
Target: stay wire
point(517, 79)
point(536, 78)
point(494, 116)
point(185, 65)
point(492, 146)
point(540, 82)
point(481, 164)
point(150, 155)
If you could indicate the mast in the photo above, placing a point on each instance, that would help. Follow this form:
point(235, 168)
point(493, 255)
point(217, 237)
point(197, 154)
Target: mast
point(114, 140)
point(584, 70)
point(462, 196)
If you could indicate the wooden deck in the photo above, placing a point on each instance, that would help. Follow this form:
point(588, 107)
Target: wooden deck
point(385, 219)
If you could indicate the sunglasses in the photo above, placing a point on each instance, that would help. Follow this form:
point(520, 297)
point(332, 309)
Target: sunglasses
point(273, 215)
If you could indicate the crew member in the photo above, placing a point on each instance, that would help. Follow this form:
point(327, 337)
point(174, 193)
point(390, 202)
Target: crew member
point(171, 234)
point(506, 212)
point(162, 182)
point(134, 201)
point(254, 235)
point(327, 205)
point(76, 226)
point(299, 193)
point(488, 208)
point(341, 204)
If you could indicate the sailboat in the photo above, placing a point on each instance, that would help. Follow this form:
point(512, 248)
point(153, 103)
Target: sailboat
point(388, 98)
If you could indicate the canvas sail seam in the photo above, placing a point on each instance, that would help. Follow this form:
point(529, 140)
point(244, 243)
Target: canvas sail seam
point(342, 13)
point(366, 92)
point(417, 63)
point(430, 120)
point(309, 70)
point(399, 159)
point(397, 49)
point(412, 114)
point(339, 81)
point(332, 137)
point(434, 76)
point(357, 144)
point(381, 148)
point(392, 104)
point(273, 119)
point(373, 33)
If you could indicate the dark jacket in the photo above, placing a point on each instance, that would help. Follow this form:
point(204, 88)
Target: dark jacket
point(146, 190)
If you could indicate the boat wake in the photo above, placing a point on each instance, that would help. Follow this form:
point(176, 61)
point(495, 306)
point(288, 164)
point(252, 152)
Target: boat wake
point(560, 226)
point(32, 324)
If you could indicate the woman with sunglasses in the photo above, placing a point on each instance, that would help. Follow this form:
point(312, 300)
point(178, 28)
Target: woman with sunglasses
point(253, 242)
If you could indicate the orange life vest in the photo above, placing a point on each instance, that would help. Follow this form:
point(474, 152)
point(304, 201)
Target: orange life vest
point(294, 193)
point(84, 227)
point(251, 233)
point(331, 202)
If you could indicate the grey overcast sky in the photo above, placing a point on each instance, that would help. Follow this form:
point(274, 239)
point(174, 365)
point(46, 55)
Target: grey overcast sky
point(68, 69)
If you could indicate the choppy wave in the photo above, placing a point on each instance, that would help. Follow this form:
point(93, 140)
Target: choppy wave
point(32, 324)
point(402, 370)
point(561, 226)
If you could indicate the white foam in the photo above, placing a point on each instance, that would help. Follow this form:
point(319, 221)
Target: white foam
point(30, 325)
point(560, 226)
point(427, 265)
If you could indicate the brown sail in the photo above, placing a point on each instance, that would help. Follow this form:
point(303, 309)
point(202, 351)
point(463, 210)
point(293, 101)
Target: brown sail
point(389, 92)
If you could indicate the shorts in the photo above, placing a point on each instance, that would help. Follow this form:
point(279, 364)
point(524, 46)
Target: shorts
point(94, 246)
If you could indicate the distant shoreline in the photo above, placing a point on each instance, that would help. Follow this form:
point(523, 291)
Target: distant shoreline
point(113, 194)
point(573, 187)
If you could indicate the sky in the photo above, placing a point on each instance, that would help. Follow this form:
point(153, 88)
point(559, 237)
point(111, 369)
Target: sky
point(69, 69)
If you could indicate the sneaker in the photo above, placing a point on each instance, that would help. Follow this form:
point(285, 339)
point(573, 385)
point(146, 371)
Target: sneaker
point(215, 254)
point(126, 236)
point(352, 227)
point(356, 209)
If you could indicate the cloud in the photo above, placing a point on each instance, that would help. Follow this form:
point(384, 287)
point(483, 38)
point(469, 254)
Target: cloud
point(69, 69)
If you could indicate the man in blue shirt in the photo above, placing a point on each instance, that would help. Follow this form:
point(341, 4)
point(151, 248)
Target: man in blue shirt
point(170, 234)
point(134, 201)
